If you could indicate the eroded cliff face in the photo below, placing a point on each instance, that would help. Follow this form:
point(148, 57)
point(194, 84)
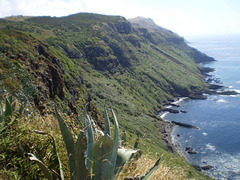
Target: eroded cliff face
point(136, 66)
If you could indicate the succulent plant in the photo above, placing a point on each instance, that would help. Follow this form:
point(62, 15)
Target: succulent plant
point(9, 114)
point(90, 158)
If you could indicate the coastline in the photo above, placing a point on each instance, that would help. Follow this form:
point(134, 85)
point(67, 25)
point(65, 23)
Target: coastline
point(168, 127)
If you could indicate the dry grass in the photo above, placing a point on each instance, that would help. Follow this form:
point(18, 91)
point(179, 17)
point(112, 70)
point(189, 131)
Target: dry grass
point(144, 163)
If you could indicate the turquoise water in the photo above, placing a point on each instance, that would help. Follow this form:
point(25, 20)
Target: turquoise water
point(218, 139)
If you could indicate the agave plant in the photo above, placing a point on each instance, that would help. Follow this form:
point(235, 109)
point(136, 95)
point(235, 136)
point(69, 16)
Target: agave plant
point(91, 158)
point(6, 114)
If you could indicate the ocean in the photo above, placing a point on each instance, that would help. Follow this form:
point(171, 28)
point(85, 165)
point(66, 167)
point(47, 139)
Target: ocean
point(217, 142)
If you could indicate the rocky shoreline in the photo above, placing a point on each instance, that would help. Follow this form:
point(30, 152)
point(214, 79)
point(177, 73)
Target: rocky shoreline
point(168, 127)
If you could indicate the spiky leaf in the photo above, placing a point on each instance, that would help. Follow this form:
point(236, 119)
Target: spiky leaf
point(55, 153)
point(102, 154)
point(107, 124)
point(115, 148)
point(124, 155)
point(151, 171)
point(90, 143)
point(81, 172)
point(93, 126)
point(68, 140)
point(42, 166)
point(8, 110)
point(2, 119)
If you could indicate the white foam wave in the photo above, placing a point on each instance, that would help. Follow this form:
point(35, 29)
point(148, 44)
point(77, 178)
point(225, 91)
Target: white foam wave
point(237, 90)
point(238, 82)
point(230, 87)
point(180, 100)
point(210, 147)
point(221, 101)
point(163, 115)
point(205, 134)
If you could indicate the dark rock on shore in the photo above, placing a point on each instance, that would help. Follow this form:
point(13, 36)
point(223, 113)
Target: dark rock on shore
point(197, 96)
point(190, 150)
point(175, 105)
point(215, 86)
point(223, 93)
point(184, 125)
point(171, 110)
point(197, 167)
point(205, 168)
point(182, 111)
point(206, 70)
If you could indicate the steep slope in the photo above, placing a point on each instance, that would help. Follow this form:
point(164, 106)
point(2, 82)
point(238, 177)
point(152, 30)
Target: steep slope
point(133, 66)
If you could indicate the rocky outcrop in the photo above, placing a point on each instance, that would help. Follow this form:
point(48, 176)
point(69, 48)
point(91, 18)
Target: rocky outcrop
point(190, 150)
point(124, 27)
point(171, 110)
point(184, 125)
point(205, 168)
point(229, 92)
point(197, 96)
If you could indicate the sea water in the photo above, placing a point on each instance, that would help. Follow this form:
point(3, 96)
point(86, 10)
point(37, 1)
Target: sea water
point(217, 142)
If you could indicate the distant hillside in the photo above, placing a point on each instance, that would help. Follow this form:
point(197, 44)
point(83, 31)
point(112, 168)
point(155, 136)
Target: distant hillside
point(134, 66)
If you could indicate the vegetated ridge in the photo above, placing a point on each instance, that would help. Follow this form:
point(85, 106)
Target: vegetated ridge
point(133, 65)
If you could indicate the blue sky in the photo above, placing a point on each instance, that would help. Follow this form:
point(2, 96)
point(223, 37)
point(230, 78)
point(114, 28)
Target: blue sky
point(185, 17)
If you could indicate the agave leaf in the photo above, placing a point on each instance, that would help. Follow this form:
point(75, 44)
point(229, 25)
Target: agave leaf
point(11, 99)
point(81, 170)
point(102, 155)
point(151, 171)
point(115, 148)
point(124, 155)
point(20, 111)
point(107, 124)
point(93, 126)
point(90, 143)
point(1, 108)
point(2, 119)
point(8, 109)
point(69, 142)
point(43, 167)
point(61, 169)
point(59, 160)
point(13, 106)
point(54, 151)
point(61, 172)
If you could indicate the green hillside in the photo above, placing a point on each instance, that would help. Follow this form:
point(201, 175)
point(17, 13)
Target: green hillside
point(133, 66)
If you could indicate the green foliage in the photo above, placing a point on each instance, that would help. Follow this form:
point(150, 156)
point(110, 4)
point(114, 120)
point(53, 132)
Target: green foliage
point(16, 142)
point(107, 160)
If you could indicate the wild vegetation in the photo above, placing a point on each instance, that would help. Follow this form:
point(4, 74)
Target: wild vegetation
point(133, 66)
